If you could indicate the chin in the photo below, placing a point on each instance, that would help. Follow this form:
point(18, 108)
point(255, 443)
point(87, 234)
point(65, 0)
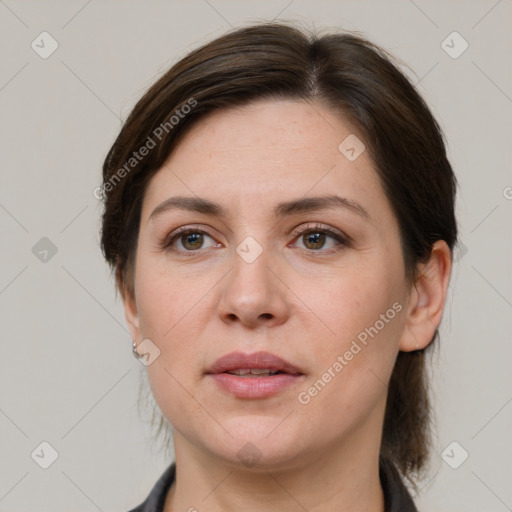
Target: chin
point(257, 442)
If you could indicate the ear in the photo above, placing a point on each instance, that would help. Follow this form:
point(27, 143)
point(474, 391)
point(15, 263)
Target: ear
point(427, 299)
point(131, 314)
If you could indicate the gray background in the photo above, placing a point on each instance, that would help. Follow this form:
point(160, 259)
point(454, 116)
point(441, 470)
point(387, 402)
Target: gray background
point(67, 373)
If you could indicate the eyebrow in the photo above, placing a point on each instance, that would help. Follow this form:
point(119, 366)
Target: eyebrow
point(287, 208)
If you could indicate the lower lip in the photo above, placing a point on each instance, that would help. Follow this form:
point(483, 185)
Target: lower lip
point(255, 387)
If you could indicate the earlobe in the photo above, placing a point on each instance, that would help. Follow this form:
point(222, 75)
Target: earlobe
point(427, 299)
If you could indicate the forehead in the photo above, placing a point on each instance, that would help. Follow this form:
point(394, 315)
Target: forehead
point(263, 153)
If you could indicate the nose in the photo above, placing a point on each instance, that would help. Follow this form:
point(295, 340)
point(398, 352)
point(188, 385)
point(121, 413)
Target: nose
point(254, 294)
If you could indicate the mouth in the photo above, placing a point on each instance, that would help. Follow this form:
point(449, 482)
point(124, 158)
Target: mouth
point(257, 375)
point(253, 372)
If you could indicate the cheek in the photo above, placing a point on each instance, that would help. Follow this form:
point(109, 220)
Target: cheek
point(167, 309)
point(172, 307)
point(364, 316)
point(347, 301)
point(167, 301)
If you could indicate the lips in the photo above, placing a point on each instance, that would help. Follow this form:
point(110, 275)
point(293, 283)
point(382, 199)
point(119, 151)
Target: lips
point(254, 376)
point(243, 364)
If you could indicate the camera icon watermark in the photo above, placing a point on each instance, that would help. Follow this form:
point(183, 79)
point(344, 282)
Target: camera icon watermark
point(454, 45)
point(351, 147)
point(44, 455)
point(146, 352)
point(454, 455)
point(249, 455)
point(459, 251)
point(44, 45)
point(249, 250)
point(44, 250)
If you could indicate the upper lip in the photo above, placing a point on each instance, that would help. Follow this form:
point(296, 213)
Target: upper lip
point(257, 360)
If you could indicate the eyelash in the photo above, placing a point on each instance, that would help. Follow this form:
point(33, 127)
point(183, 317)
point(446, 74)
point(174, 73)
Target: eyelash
point(343, 240)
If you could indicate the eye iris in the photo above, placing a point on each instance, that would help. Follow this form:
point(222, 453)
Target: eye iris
point(314, 238)
point(195, 237)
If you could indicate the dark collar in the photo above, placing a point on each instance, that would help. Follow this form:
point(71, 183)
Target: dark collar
point(396, 495)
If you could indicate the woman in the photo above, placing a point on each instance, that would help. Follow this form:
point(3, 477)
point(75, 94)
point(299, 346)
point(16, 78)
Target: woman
point(279, 214)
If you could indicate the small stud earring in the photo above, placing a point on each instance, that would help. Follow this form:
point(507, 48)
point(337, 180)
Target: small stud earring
point(134, 349)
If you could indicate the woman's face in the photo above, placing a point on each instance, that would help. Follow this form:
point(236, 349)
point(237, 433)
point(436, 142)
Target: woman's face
point(266, 276)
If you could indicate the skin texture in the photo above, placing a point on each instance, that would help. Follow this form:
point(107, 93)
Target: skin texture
point(303, 302)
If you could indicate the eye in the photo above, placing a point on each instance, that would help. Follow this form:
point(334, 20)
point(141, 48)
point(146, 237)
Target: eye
point(190, 240)
point(314, 238)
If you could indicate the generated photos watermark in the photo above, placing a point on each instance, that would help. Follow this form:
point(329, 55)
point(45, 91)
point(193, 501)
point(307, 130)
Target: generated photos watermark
point(361, 341)
point(150, 143)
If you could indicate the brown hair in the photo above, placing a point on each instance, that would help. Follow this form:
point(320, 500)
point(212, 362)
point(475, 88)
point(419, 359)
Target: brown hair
point(344, 72)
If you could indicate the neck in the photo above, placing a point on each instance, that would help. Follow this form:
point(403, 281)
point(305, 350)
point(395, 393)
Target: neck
point(342, 480)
